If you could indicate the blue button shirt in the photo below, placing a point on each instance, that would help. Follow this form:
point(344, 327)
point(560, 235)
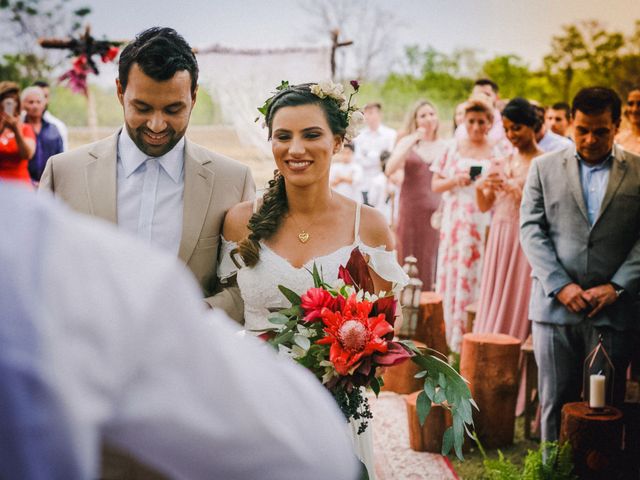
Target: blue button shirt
point(594, 179)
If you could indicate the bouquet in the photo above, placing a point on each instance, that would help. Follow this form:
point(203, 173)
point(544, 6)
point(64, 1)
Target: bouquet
point(343, 333)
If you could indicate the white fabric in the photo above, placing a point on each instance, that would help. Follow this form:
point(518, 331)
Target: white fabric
point(347, 170)
point(380, 191)
point(552, 142)
point(113, 339)
point(60, 125)
point(150, 193)
point(240, 82)
point(369, 144)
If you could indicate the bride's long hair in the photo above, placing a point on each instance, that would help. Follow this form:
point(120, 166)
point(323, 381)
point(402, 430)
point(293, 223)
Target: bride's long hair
point(266, 221)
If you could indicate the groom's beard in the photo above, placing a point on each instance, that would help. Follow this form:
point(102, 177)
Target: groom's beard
point(154, 147)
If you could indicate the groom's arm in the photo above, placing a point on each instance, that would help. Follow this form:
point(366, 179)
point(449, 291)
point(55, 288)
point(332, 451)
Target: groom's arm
point(228, 297)
point(534, 236)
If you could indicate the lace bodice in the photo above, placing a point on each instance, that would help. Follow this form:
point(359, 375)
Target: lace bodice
point(259, 284)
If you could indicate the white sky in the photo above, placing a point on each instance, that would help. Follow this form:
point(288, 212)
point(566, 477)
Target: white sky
point(521, 27)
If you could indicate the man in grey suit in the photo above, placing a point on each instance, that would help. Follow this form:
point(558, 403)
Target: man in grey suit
point(152, 181)
point(580, 230)
point(147, 177)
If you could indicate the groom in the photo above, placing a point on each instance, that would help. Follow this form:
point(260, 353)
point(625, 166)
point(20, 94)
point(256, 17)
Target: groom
point(147, 177)
point(152, 181)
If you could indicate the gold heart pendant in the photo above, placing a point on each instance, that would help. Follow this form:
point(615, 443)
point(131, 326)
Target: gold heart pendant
point(303, 237)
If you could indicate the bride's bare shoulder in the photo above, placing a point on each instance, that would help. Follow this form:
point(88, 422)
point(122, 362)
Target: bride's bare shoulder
point(374, 230)
point(236, 220)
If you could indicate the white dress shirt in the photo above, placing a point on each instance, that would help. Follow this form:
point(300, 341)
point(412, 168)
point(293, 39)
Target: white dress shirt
point(102, 336)
point(150, 193)
point(369, 144)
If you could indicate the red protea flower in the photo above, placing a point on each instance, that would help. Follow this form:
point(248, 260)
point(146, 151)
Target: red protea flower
point(313, 301)
point(353, 335)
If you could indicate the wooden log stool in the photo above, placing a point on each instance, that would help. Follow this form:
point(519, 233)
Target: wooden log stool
point(489, 361)
point(431, 329)
point(401, 378)
point(595, 438)
point(428, 437)
point(471, 311)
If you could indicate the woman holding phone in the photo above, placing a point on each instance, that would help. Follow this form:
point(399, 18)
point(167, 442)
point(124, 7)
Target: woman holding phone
point(506, 278)
point(463, 227)
point(17, 140)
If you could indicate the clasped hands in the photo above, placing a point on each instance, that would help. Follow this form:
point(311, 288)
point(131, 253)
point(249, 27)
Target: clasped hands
point(575, 299)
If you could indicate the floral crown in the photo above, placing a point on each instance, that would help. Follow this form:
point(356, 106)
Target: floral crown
point(350, 113)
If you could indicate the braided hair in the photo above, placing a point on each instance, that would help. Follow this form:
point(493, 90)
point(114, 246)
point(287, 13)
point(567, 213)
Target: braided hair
point(266, 221)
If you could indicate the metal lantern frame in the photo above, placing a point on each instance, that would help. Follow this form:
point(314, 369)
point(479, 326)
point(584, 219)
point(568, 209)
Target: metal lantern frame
point(606, 368)
point(410, 299)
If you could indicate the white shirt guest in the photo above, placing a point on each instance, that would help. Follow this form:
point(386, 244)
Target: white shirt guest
point(371, 142)
point(103, 337)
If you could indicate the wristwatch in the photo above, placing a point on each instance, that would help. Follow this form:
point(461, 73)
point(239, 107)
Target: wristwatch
point(619, 290)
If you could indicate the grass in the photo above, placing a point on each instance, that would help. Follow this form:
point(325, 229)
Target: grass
point(472, 467)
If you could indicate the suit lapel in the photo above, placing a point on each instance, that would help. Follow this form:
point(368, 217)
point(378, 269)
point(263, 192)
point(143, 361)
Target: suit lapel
point(100, 174)
point(617, 173)
point(198, 188)
point(575, 185)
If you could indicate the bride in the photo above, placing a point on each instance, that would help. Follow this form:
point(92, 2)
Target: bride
point(300, 220)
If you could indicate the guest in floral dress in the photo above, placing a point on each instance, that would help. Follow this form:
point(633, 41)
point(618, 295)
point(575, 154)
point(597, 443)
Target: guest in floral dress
point(463, 227)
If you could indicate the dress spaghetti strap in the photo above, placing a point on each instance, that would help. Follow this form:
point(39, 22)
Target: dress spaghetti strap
point(356, 227)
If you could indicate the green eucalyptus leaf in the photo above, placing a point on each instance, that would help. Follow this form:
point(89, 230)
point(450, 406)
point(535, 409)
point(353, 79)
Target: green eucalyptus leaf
point(458, 434)
point(423, 407)
point(429, 388)
point(442, 380)
point(302, 341)
point(278, 318)
point(421, 374)
point(447, 441)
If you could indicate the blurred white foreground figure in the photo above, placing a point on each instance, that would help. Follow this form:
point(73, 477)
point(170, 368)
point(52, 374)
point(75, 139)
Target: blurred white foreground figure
point(100, 337)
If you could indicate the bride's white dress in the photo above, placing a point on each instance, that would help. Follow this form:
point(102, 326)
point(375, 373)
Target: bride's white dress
point(259, 290)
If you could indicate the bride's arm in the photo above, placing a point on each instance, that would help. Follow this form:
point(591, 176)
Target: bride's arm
point(375, 233)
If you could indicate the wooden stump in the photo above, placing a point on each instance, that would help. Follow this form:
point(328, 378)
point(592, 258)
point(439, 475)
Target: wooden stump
point(596, 439)
point(401, 378)
point(431, 329)
point(428, 437)
point(471, 311)
point(489, 362)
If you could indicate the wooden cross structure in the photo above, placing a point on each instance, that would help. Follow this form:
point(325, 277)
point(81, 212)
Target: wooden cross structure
point(335, 44)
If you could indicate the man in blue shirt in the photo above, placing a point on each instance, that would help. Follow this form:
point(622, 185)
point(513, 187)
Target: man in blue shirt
point(580, 230)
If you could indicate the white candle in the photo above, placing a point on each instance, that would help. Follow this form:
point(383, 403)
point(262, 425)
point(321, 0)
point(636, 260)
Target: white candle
point(596, 391)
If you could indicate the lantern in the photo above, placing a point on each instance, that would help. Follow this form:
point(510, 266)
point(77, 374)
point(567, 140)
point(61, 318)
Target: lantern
point(598, 378)
point(410, 299)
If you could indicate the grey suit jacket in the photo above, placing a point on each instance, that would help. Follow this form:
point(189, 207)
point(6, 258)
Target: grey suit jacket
point(85, 179)
point(562, 247)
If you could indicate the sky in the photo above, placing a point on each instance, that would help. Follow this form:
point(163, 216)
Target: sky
point(521, 27)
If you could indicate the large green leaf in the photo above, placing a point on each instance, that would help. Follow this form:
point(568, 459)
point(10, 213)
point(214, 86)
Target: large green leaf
point(447, 441)
point(292, 296)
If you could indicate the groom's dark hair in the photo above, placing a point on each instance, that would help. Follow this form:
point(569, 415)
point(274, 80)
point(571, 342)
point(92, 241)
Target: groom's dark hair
point(160, 53)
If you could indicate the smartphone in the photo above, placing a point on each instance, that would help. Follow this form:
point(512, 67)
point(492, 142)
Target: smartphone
point(475, 171)
point(9, 106)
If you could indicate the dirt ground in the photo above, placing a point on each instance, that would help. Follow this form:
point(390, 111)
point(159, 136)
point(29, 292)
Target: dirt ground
point(218, 138)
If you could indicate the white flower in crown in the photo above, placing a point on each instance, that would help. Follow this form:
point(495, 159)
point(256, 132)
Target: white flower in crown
point(329, 89)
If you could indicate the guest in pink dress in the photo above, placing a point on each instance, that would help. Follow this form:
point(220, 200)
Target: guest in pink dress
point(414, 153)
point(506, 277)
point(463, 227)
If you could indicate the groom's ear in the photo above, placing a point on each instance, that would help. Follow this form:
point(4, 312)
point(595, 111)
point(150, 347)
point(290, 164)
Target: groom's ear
point(194, 95)
point(120, 92)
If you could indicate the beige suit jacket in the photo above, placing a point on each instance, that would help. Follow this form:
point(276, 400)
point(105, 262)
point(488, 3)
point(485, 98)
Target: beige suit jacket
point(85, 178)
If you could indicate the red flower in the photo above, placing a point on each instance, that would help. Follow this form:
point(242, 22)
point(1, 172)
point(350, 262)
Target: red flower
point(110, 54)
point(355, 84)
point(353, 335)
point(313, 301)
